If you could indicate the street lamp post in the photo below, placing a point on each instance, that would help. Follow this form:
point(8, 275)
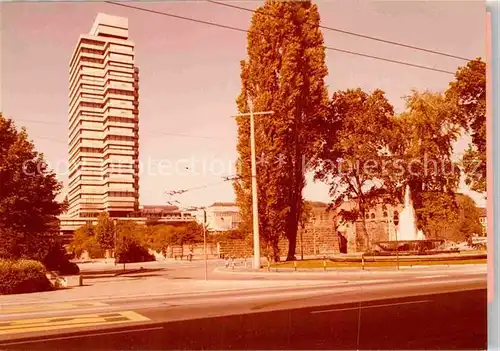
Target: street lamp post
point(314, 235)
point(255, 205)
point(114, 234)
point(205, 242)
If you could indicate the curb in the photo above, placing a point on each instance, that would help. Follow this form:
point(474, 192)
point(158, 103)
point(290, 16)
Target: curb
point(320, 271)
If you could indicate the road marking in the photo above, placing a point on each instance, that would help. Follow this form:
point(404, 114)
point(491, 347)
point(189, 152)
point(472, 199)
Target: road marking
point(372, 306)
point(373, 281)
point(46, 307)
point(114, 298)
point(80, 336)
point(434, 276)
point(53, 323)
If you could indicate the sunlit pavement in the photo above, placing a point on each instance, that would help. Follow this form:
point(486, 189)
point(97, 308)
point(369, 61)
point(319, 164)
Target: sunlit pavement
point(166, 293)
point(190, 278)
point(321, 316)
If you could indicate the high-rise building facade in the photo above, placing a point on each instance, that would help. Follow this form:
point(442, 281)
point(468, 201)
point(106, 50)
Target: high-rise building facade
point(103, 122)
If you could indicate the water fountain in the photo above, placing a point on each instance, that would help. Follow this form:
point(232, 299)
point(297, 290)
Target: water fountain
point(407, 229)
point(407, 244)
point(408, 238)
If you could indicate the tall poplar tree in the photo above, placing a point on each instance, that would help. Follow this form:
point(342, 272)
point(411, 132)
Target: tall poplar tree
point(284, 72)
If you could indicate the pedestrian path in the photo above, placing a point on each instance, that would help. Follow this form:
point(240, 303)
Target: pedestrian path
point(241, 269)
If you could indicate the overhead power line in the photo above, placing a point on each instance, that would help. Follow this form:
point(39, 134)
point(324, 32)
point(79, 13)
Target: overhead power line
point(176, 16)
point(214, 24)
point(220, 182)
point(413, 47)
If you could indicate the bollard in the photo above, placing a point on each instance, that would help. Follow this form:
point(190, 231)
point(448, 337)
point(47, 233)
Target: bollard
point(363, 262)
point(295, 265)
point(269, 265)
point(324, 264)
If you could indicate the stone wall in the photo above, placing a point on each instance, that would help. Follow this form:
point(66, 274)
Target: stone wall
point(178, 251)
point(313, 241)
point(379, 225)
point(235, 248)
point(320, 241)
point(377, 231)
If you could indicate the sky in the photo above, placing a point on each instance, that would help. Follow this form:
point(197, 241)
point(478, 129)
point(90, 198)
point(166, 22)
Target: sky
point(189, 77)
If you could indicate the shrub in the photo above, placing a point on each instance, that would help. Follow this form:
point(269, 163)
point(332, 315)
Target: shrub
point(69, 268)
point(130, 245)
point(23, 276)
point(134, 253)
point(58, 260)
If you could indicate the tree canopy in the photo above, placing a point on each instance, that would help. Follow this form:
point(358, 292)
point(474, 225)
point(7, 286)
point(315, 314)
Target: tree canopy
point(353, 148)
point(423, 143)
point(131, 243)
point(85, 239)
point(467, 93)
point(105, 231)
point(284, 73)
point(28, 191)
point(369, 154)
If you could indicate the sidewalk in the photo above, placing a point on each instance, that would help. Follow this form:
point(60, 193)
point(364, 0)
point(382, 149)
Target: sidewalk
point(155, 286)
point(109, 264)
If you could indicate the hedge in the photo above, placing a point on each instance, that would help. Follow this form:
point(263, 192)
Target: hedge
point(23, 276)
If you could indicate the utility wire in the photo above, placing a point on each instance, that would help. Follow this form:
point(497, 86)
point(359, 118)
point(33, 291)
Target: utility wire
point(214, 24)
point(176, 16)
point(349, 33)
point(182, 191)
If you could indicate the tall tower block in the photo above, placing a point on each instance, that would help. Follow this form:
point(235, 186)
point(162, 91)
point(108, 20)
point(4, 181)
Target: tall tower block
point(103, 139)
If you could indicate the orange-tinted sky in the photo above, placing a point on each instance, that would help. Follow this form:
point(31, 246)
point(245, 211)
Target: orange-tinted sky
point(189, 75)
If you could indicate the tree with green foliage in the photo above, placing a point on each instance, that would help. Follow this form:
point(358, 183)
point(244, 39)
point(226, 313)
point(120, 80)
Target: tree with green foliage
point(436, 213)
point(28, 191)
point(353, 147)
point(131, 243)
point(193, 233)
point(163, 236)
point(284, 73)
point(105, 231)
point(423, 138)
point(468, 219)
point(467, 94)
point(447, 216)
point(85, 240)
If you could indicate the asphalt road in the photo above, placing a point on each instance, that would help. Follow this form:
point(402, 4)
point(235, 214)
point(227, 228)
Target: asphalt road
point(183, 270)
point(441, 314)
